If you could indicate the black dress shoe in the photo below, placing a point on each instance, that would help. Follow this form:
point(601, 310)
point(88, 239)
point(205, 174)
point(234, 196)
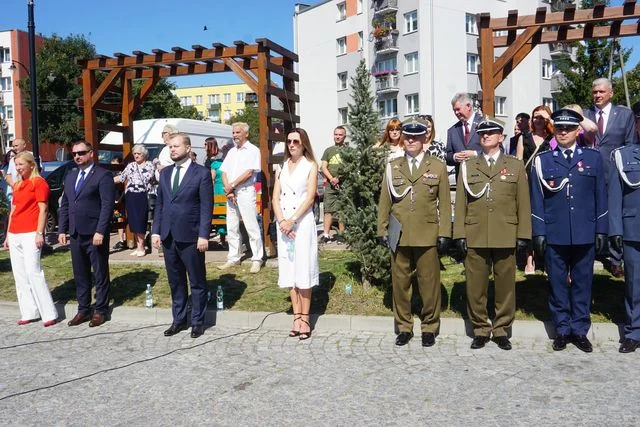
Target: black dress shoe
point(428, 339)
point(629, 345)
point(403, 338)
point(175, 328)
point(197, 331)
point(503, 342)
point(479, 341)
point(559, 342)
point(583, 343)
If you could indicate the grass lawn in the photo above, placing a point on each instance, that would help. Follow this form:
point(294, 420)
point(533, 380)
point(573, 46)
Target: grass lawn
point(245, 291)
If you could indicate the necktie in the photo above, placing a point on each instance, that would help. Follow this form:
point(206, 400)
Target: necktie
point(567, 153)
point(176, 181)
point(80, 181)
point(467, 134)
point(600, 123)
point(491, 163)
point(414, 166)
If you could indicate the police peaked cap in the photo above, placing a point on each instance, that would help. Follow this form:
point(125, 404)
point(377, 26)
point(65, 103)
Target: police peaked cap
point(489, 124)
point(566, 117)
point(414, 126)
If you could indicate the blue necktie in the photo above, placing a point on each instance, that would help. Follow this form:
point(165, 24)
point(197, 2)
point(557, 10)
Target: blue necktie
point(80, 181)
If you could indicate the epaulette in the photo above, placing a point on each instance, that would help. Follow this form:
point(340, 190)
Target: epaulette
point(546, 152)
point(510, 155)
point(591, 148)
point(435, 158)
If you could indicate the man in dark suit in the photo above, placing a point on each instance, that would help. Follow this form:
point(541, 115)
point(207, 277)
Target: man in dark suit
point(463, 141)
point(181, 225)
point(521, 129)
point(616, 127)
point(85, 214)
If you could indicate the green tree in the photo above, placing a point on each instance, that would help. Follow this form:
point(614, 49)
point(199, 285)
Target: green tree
point(360, 177)
point(162, 102)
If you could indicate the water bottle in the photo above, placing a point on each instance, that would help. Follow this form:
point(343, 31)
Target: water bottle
point(148, 301)
point(219, 299)
point(347, 289)
point(291, 246)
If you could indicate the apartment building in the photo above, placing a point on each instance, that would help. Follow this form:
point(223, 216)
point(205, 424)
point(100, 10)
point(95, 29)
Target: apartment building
point(217, 103)
point(420, 53)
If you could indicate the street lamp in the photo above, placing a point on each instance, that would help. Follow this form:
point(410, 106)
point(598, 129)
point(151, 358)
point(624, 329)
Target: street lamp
point(32, 86)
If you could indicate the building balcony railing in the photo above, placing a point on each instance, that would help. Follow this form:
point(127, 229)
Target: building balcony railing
point(213, 106)
point(387, 43)
point(386, 83)
point(559, 49)
point(557, 80)
point(381, 6)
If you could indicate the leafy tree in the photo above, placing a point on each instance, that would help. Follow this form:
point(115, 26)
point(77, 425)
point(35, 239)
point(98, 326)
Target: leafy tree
point(162, 102)
point(360, 177)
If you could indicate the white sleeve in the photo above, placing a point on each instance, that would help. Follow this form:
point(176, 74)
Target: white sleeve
point(255, 160)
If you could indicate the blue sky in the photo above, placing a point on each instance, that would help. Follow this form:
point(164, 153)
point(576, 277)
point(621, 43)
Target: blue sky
point(123, 26)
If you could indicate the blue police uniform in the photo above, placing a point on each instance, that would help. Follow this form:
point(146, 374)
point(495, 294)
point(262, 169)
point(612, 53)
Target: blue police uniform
point(624, 211)
point(569, 207)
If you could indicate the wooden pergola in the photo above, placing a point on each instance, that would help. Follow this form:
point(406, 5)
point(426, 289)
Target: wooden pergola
point(524, 33)
point(252, 63)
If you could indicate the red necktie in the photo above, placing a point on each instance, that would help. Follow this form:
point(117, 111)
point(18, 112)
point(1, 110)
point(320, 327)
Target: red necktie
point(600, 123)
point(467, 134)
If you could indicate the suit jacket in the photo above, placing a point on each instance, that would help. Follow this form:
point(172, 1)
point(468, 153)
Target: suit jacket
point(187, 214)
point(620, 131)
point(578, 210)
point(502, 213)
point(90, 210)
point(624, 200)
point(426, 214)
point(455, 139)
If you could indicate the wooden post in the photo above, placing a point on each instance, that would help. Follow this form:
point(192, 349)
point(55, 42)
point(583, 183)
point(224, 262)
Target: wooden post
point(264, 105)
point(486, 64)
point(89, 113)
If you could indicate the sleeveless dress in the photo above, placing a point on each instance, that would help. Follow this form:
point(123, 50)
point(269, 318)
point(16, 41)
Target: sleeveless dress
point(297, 258)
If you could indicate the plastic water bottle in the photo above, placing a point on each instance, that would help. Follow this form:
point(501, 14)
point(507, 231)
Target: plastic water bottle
point(148, 301)
point(348, 289)
point(219, 299)
point(291, 246)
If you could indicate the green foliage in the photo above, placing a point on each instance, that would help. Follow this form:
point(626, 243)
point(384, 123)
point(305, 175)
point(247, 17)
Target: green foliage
point(360, 177)
point(251, 116)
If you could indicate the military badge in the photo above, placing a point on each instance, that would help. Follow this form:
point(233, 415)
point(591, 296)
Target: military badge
point(552, 183)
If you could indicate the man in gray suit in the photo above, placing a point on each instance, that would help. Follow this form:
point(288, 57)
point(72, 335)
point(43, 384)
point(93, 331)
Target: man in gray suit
point(616, 127)
point(463, 142)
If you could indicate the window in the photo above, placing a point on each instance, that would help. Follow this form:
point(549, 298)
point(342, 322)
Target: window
point(388, 107)
point(342, 11)
point(500, 106)
point(360, 40)
point(411, 63)
point(413, 104)
point(342, 116)
point(185, 101)
point(473, 63)
point(5, 83)
point(214, 115)
point(359, 7)
point(548, 68)
point(7, 112)
point(390, 64)
point(471, 24)
point(227, 97)
point(411, 22)
point(551, 103)
point(240, 96)
point(198, 99)
point(342, 81)
point(227, 115)
point(341, 46)
point(5, 54)
point(214, 99)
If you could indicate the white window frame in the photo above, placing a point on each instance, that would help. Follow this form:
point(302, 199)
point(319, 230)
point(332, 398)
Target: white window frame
point(551, 103)
point(411, 64)
point(500, 104)
point(388, 64)
point(198, 99)
point(342, 11)
point(186, 101)
point(7, 85)
point(388, 107)
point(239, 96)
point(411, 22)
point(227, 98)
point(341, 46)
point(343, 116)
point(214, 98)
point(548, 68)
point(471, 24)
point(342, 81)
point(412, 104)
point(5, 54)
point(214, 115)
point(473, 63)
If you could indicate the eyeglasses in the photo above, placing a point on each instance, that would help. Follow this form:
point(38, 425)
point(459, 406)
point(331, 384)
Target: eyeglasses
point(293, 141)
point(79, 153)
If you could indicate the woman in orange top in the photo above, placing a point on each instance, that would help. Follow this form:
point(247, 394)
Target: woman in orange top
point(25, 239)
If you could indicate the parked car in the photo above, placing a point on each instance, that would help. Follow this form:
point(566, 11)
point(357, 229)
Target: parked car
point(48, 167)
point(55, 179)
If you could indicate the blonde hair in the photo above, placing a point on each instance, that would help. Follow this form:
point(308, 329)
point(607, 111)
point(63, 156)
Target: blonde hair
point(28, 157)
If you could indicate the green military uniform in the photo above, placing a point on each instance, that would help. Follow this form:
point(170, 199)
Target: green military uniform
point(492, 210)
point(421, 202)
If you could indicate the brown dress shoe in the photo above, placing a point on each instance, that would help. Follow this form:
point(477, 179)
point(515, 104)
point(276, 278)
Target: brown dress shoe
point(97, 320)
point(78, 319)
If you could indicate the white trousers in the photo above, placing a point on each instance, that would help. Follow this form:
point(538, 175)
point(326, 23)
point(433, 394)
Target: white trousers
point(33, 293)
point(245, 208)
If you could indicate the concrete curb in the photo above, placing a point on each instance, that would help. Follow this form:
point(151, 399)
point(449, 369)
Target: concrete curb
point(531, 329)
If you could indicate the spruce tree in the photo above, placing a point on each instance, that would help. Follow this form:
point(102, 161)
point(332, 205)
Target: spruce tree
point(360, 177)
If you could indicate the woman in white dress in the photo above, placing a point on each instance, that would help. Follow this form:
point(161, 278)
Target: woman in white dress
point(293, 195)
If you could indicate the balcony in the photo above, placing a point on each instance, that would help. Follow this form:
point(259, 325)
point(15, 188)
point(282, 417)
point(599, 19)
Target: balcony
point(559, 50)
point(213, 107)
point(382, 6)
point(386, 83)
point(387, 43)
point(557, 81)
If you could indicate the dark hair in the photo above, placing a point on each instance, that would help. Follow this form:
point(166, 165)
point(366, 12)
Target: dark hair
point(306, 144)
point(87, 144)
point(523, 116)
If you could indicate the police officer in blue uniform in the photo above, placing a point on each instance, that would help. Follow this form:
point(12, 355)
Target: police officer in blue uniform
point(624, 233)
point(570, 223)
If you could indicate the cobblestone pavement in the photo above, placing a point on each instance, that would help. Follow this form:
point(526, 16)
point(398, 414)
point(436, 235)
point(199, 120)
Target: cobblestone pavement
point(130, 374)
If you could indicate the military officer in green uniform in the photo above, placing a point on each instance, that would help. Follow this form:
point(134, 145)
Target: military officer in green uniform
point(492, 219)
point(414, 219)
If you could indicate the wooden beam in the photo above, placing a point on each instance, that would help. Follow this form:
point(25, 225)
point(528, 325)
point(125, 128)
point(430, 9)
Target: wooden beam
point(507, 55)
point(106, 85)
point(280, 93)
point(268, 44)
point(244, 76)
point(182, 70)
point(112, 108)
point(280, 70)
point(89, 114)
point(576, 34)
point(282, 115)
point(487, 55)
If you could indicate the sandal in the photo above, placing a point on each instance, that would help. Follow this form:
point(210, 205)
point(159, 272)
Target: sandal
point(305, 335)
point(293, 333)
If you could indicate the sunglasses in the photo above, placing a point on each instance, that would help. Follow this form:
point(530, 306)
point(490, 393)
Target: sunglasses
point(79, 153)
point(293, 141)
point(565, 128)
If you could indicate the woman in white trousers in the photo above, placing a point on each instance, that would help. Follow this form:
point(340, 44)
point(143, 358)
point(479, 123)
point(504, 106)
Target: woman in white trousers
point(25, 239)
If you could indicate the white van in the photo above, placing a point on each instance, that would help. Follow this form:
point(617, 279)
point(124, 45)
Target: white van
point(149, 133)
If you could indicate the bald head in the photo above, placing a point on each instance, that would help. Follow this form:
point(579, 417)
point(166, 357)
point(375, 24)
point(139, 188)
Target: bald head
point(19, 145)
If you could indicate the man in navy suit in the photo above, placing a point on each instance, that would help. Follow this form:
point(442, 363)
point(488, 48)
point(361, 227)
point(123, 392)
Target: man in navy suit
point(616, 127)
point(624, 234)
point(569, 217)
point(181, 224)
point(85, 214)
point(463, 142)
